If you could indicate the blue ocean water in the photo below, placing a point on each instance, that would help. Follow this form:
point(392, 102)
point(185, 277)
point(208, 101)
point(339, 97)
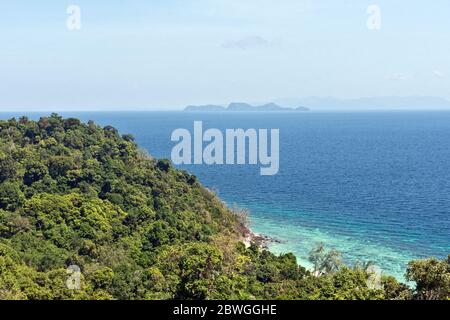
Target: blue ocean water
point(374, 185)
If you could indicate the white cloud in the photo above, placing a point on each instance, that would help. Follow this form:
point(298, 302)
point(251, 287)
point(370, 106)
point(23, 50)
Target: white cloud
point(438, 74)
point(398, 77)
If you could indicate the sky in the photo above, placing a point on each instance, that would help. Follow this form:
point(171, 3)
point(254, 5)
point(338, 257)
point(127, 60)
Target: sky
point(166, 54)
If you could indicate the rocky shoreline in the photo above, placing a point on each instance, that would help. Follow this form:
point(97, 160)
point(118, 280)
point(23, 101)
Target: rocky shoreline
point(260, 240)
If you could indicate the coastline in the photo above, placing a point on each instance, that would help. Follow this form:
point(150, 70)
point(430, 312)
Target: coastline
point(262, 241)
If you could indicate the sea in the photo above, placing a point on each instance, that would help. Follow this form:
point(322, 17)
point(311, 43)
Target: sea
point(373, 185)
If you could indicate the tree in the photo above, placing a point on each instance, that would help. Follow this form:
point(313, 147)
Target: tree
point(432, 278)
point(324, 261)
point(8, 167)
point(34, 171)
point(59, 165)
point(11, 197)
point(163, 165)
point(393, 290)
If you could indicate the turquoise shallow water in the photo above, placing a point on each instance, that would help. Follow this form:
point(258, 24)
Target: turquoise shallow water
point(375, 186)
point(300, 239)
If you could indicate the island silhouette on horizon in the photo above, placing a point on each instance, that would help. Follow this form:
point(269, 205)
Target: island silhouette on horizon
point(242, 107)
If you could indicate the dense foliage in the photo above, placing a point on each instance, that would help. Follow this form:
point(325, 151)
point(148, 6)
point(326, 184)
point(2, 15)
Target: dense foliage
point(74, 194)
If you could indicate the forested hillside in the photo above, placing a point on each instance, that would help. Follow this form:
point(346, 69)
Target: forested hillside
point(79, 194)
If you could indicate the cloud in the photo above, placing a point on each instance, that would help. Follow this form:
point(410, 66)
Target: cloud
point(250, 42)
point(398, 77)
point(439, 74)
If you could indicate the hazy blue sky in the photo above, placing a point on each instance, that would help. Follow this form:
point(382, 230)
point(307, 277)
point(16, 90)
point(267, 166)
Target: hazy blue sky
point(165, 54)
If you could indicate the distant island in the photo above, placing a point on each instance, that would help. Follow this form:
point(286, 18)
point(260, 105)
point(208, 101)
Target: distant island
point(243, 107)
point(332, 104)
